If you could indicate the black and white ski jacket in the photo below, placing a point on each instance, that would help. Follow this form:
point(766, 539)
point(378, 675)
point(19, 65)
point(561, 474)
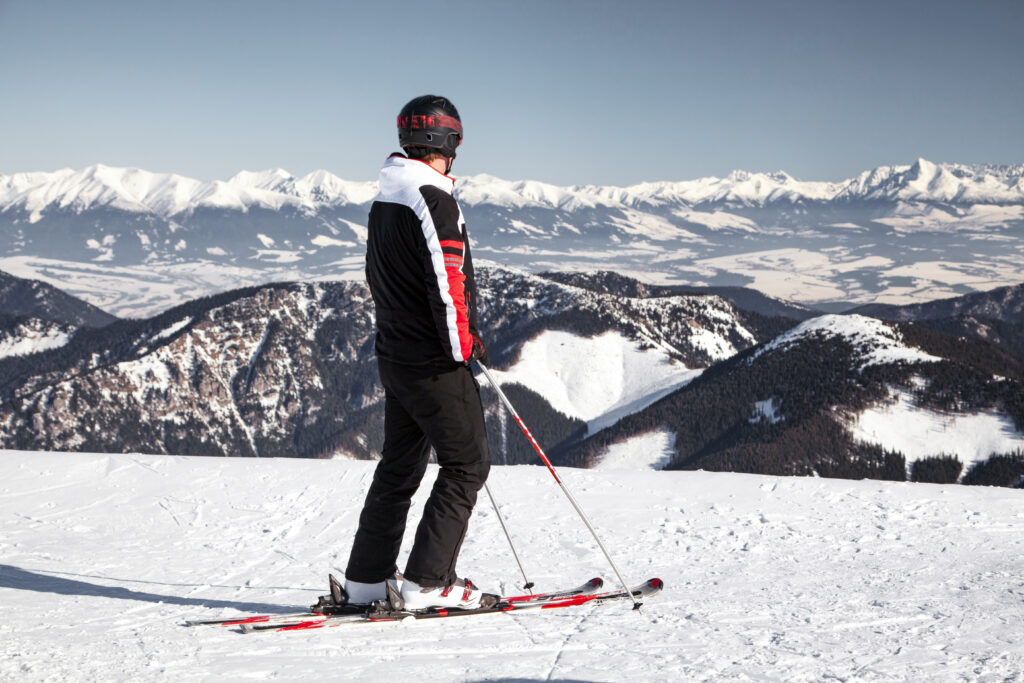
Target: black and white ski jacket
point(419, 268)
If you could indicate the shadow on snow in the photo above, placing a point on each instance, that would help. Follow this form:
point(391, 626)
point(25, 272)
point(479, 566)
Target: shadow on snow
point(22, 579)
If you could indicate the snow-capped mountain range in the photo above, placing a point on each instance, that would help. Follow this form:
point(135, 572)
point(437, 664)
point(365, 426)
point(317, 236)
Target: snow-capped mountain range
point(168, 195)
point(894, 234)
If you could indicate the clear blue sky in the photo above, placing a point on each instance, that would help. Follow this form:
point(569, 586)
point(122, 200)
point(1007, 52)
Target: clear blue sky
point(568, 92)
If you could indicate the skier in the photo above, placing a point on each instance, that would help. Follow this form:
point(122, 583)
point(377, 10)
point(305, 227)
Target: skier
point(420, 274)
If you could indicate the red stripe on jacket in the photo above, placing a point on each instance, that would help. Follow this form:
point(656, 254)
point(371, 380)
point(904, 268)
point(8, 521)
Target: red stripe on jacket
point(453, 252)
point(457, 289)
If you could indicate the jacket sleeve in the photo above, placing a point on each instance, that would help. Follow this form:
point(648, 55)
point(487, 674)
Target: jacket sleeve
point(444, 275)
point(471, 297)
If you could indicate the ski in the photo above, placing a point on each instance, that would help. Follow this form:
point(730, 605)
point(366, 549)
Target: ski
point(255, 619)
point(645, 590)
point(592, 586)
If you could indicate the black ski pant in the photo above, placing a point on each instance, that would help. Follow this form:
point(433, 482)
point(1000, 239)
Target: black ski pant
point(424, 406)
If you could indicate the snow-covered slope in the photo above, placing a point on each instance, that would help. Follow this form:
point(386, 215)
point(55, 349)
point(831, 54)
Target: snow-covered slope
point(876, 342)
point(597, 380)
point(598, 356)
point(102, 557)
point(847, 396)
point(32, 335)
point(920, 432)
point(900, 421)
point(650, 451)
point(279, 370)
point(695, 329)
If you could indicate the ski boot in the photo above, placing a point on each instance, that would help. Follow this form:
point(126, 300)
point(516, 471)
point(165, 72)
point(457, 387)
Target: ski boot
point(462, 594)
point(356, 598)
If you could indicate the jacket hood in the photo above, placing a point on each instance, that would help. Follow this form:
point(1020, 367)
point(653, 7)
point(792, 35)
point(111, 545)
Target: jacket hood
point(401, 172)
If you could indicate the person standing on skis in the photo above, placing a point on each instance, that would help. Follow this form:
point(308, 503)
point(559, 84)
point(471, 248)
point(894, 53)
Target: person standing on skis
point(420, 273)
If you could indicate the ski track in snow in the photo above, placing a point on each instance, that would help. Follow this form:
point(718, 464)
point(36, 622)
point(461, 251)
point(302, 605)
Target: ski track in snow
point(789, 579)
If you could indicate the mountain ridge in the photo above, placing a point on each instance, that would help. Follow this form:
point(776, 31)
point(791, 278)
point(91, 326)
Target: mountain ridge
point(840, 395)
point(1002, 303)
point(170, 194)
point(38, 299)
point(287, 369)
point(995, 315)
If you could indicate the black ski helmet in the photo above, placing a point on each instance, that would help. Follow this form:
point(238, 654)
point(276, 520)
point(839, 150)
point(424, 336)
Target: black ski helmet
point(430, 121)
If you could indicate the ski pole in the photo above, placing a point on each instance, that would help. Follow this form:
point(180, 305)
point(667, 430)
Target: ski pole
point(551, 468)
point(529, 584)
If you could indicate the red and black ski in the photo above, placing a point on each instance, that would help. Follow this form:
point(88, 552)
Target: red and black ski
point(359, 613)
point(569, 599)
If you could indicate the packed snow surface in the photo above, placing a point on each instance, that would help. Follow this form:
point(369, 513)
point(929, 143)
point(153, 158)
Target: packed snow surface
point(791, 579)
point(921, 432)
point(596, 379)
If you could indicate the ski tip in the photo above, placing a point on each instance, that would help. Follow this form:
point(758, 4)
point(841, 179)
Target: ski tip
point(656, 583)
point(596, 582)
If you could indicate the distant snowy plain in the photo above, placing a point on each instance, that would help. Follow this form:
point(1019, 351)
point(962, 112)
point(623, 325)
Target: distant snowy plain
point(135, 242)
point(787, 579)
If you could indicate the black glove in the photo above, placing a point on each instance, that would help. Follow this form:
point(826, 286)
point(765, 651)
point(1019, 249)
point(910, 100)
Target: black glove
point(479, 351)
